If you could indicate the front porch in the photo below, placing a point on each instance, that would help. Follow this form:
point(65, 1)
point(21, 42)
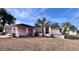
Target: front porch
point(55, 32)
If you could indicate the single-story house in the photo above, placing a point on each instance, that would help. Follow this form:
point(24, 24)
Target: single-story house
point(20, 30)
point(27, 30)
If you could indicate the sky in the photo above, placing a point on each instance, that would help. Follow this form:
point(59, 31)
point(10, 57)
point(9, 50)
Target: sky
point(60, 15)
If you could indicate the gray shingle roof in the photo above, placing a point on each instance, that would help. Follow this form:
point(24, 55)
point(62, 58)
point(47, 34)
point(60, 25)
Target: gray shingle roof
point(24, 25)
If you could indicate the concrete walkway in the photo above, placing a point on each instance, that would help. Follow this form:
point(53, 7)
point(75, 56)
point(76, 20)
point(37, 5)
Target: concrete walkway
point(4, 36)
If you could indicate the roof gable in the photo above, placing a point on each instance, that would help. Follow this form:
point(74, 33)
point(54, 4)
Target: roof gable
point(25, 25)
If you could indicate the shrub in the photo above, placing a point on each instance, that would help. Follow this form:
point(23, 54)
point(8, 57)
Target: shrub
point(71, 37)
point(13, 35)
point(36, 33)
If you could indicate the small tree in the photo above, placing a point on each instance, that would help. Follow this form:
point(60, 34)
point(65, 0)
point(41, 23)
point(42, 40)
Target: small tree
point(6, 18)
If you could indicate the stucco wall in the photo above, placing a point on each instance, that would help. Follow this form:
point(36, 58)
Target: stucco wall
point(55, 31)
point(22, 30)
point(16, 31)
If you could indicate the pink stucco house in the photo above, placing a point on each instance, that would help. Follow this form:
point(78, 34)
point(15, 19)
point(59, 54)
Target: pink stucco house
point(20, 30)
point(27, 30)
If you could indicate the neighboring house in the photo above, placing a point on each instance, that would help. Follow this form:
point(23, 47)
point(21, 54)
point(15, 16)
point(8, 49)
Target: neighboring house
point(73, 32)
point(20, 30)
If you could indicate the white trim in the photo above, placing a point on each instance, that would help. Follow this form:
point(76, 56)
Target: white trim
point(16, 32)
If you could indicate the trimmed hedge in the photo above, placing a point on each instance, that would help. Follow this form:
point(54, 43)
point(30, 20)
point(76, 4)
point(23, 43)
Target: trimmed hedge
point(71, 37)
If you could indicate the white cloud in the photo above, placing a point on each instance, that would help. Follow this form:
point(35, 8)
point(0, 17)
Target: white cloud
point(26, 14)
point(18, 22)
point(41, 10)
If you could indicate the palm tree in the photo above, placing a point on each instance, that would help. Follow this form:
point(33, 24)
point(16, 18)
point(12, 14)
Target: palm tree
point(41, 23)
point(55, 25)
point(47, 24)
point(66, 27)
point(6, 18)
point(47, 27)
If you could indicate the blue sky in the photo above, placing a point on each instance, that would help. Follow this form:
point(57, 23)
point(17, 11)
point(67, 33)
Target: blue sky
point(60, 15)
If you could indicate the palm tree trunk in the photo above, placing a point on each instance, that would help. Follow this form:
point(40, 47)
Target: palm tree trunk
point(68, 32)
point(43, 30)
point(64, 31)
point(3, 30)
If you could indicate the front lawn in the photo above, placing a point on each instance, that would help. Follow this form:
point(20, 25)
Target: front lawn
point(38, 44)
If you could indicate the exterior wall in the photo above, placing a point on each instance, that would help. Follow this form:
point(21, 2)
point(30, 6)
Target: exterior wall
point(34, 30)
point(16, 31)
point(21, 31)
point(52, 31)
point(13, 30)
point(55, 31)
point(27, 32)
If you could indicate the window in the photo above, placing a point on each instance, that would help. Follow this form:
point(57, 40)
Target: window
point(39, 30)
